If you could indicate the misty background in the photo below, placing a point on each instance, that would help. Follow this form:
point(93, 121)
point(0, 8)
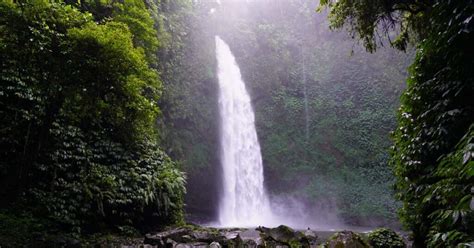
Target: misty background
point(324, 107)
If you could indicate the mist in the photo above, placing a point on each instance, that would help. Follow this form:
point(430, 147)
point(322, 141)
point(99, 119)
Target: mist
point(323, 106)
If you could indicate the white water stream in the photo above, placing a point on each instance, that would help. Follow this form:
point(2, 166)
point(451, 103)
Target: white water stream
point(244, 201)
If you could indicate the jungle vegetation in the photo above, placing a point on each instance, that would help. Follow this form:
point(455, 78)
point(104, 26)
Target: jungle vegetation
point(106, 104)
point(432, 155)
point(79, 98)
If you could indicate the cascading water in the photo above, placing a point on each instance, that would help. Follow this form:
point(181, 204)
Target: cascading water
point(244, 201)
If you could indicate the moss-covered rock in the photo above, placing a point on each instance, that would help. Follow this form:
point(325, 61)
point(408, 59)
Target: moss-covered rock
point(346, 239)
point(281, 233)
point(284, 235)
point(385, 238)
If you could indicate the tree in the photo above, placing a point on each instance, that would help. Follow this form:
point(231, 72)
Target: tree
point(433, 144)
point(78, 101)
point(374, 21)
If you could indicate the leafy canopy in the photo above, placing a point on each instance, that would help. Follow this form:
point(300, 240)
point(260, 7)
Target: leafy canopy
point(432, 152)
point(78, 104)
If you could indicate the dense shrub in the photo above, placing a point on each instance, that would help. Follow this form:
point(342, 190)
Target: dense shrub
point(432, 155)
point(385, 238)
point(78, 105)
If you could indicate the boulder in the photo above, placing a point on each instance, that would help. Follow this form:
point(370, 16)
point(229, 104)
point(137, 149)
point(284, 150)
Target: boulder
point(215, 245)
point(250, 243)
point(236, 242)
point(192, 245)
point(206, 235)
point(346, 239)
point(309, 239)
point(171, 243)
point(231, 234)
point(285, 236)
point(281, 233)
point(160, 239)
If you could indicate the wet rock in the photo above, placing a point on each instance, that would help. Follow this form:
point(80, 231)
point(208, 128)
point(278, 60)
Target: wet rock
point(171, 243)
point(281, 233)
point(195, 236)
point(285, 236)
point(192, 245)
point(215, 245)
point(346, 239)
point(234, 242)
point(206, 235)
point(186, 239)
point(310, 234)
point(231, 234)
point(309, 239)
point(160, 239)
point(249, 243)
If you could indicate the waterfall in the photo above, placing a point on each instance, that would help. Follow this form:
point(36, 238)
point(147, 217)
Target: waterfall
point(244, 201)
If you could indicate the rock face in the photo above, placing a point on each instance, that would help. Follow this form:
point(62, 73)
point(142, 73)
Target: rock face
point(346, 239)
point(189, 237)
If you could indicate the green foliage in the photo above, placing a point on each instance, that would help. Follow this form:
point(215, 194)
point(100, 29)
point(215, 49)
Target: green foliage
point(123, 72)
point(433, 175)
point(99, 179)
point(189, 105)
point(78, 101)
point(372, 21)
point(133, 13)
point(385, 238)
point(16, 231)
point(432, 151)
point(189, 102)
point(451, 196)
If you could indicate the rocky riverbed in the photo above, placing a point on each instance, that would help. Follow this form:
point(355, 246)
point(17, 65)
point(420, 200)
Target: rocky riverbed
point(263, 237)
point(194, 236)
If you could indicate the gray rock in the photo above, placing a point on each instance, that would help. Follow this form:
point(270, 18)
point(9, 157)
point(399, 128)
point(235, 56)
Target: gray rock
point(249, 243)
point(215, 245)
point(206, 236)
point(171, 243)
point(231, 234)
point(346, 239)
point(310, 234)
point(186, 238)
point(148, 246)
point(192, 245)
point(160, 239)
point(281, 233)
